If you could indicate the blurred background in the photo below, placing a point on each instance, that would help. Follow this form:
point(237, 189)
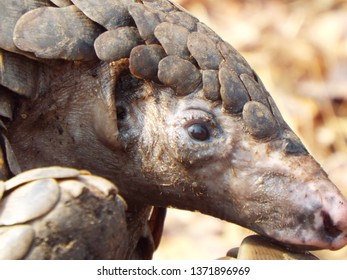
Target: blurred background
point(299, 49)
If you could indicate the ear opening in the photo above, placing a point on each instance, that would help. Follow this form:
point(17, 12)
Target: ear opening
point(105, 111)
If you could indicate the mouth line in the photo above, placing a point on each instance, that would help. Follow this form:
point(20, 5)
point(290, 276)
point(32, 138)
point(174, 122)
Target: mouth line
point(293, 248)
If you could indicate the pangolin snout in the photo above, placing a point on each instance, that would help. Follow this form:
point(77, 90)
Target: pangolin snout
point(298, 207)
point(326, 229)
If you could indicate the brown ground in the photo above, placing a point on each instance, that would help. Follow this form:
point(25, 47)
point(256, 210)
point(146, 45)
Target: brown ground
point(299, 49)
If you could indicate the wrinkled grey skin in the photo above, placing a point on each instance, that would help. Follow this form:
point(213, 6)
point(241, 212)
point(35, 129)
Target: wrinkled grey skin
point(231, 175)
point(196, 132)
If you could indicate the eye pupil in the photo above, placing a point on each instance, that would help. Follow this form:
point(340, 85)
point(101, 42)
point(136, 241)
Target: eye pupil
point(198, 132)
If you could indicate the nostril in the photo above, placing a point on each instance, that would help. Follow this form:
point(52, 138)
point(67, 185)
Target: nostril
point(329, 226)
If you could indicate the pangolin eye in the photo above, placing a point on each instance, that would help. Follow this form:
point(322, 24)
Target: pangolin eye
point(199, 132)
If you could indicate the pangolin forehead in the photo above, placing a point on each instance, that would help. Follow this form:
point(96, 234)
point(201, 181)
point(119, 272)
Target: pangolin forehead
point(187, 58)
point(163, 43)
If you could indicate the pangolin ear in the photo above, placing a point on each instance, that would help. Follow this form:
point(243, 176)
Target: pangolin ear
point(104, 110)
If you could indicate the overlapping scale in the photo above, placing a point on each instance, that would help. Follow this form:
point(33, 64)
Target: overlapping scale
point(72, 215)
point(108, 13)
point(39, 174)
point(146, 21)
point(204, 50)
point(19, 74)
point(117, 43)
point(6, 103)
point(259, 120)
point(57, 33)
point(29, 202)
point(173, 39)
point(144, 61)
point(179, 74)
point(15, 241)
point(10, 12)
